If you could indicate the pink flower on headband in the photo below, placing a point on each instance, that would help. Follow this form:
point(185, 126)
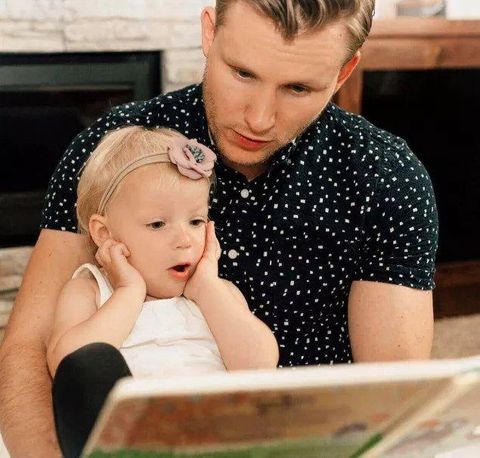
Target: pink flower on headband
point(193, 159)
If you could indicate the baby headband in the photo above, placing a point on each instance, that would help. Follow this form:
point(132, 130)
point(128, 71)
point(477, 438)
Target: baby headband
point(192, 159)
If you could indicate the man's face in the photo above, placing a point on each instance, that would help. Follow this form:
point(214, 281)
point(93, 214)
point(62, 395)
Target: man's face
point(260, 91)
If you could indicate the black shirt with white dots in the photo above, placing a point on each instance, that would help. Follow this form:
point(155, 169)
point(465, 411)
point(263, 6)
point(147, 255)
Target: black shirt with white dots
point(345, 201)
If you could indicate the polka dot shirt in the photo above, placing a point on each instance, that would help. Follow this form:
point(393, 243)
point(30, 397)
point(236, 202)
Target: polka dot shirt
point(345, 201)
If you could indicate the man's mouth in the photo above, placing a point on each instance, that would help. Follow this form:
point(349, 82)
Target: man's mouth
point(248, 143)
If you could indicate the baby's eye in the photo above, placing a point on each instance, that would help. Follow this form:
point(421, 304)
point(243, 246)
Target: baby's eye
point(156, 224)
point(197, 222)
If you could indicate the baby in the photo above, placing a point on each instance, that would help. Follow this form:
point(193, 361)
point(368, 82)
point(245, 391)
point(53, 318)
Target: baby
point(154, 305)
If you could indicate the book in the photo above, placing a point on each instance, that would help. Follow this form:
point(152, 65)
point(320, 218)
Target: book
point(398, 409)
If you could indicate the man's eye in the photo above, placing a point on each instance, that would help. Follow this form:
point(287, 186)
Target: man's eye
point(298, 89)
point(243, 74)
point(156, 224)
point(197, 222)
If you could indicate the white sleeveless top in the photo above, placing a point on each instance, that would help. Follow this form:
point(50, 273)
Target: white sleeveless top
point(170, 336)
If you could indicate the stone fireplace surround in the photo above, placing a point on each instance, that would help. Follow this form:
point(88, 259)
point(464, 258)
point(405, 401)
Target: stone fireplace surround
point(60, 26)
point(57, 26)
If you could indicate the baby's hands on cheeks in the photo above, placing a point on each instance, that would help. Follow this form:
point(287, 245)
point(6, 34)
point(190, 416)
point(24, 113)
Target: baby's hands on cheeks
point(207, 267)
point(112, 256)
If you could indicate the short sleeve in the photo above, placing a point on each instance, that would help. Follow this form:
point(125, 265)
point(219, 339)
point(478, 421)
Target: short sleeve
point(60, 201)
point(401, 226)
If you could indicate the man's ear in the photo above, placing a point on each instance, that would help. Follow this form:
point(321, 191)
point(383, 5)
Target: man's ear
point(98, 229)
point(208, 19)
point(347, 70)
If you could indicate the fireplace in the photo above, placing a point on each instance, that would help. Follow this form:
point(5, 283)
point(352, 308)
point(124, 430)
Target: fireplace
point(45, 100)
point(437, 113)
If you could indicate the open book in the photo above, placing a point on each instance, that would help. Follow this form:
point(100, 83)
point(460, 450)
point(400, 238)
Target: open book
point(404, 409)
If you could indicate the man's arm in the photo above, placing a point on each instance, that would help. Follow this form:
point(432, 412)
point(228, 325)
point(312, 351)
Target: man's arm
point(389, 322)
point(26, 418)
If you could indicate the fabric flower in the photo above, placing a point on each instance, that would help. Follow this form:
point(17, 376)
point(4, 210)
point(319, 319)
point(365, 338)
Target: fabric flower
point(193, 159)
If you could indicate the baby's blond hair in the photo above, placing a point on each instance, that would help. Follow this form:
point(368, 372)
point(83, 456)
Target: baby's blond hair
point(112, 154)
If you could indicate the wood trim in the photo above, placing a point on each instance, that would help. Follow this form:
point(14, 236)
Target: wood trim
point(404, 27)
point(350, 95)
point(413, 44)
point(421, 54)
point(457, 291)
point(453, 274)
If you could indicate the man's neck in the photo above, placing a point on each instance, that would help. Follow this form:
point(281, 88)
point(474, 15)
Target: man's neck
point(250, 172)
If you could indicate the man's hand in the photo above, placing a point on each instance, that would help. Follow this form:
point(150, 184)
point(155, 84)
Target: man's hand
point(207, 267)
point(112, 256)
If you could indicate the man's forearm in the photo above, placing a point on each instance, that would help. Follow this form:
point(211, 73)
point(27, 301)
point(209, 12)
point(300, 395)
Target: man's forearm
point(26, 417)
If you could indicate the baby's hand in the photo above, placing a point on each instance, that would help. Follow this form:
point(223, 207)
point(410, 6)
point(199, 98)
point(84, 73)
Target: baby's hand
point(112, 256)
point(207, 267)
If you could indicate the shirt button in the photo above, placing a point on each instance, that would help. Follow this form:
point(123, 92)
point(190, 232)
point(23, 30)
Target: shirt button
point(232, 254)
point(244, 193)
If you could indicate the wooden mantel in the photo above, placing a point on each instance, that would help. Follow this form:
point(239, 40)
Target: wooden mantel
point(413, 44)
point(424, 27)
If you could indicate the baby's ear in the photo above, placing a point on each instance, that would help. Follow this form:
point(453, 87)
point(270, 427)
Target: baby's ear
point(98, 229)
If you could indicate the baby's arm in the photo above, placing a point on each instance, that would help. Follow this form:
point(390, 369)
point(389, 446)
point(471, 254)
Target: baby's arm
point(78, 322)
point(244, 341)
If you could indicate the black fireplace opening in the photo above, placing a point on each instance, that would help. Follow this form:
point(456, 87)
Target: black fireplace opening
point(436, 112)
point(45, 101)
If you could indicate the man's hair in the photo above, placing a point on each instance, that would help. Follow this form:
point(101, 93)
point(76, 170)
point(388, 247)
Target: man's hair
point(296, 16)
point(113, 153)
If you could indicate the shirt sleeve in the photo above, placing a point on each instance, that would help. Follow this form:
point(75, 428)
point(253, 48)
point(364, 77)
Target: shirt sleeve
point(59, 210)
point(401, 226)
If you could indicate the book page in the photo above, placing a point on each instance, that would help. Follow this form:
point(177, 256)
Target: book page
point(288, 422)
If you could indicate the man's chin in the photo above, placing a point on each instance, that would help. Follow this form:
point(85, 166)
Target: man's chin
point(234, 155)
point(239, 163)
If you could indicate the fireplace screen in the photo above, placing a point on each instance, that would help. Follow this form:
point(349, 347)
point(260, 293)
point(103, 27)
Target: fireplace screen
point(437, 113)
point(44, 102)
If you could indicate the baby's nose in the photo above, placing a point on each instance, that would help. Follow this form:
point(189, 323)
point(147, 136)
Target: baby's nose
point(183, 239)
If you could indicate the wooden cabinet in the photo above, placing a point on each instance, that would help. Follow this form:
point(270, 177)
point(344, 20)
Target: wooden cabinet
point(425, 44)
point(413, 44)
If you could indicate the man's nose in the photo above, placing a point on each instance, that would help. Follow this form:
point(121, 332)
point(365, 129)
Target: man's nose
point(260, 113)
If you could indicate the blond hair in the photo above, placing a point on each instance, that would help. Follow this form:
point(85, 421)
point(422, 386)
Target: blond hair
point(295, 16)
point(113, 153)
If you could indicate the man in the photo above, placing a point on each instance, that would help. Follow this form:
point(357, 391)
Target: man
point(328, 225)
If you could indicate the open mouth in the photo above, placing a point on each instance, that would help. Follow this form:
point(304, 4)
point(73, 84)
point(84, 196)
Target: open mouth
point(181, 267)
point(180, 270)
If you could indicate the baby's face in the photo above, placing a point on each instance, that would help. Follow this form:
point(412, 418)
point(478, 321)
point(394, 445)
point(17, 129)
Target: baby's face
point(163, 226)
